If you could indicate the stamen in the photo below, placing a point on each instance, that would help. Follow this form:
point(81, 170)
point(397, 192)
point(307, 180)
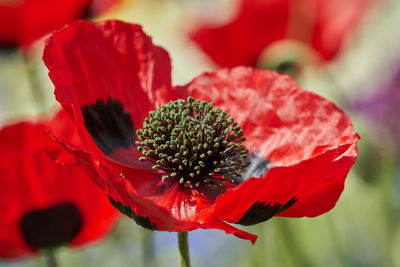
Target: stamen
point(193, 144)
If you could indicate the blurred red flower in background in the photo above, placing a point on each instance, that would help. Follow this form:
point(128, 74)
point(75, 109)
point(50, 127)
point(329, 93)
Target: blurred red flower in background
point(322, 25)
point(24, 21)
point(300, 145)
point(45, 204)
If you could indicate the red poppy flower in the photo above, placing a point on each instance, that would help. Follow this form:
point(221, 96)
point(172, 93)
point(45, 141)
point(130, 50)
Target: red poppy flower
point(323, 25)
point(109, 75)
point(46, 204)
point(22, 22)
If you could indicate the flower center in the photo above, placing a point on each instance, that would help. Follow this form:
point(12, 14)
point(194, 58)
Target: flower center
point(193, 143)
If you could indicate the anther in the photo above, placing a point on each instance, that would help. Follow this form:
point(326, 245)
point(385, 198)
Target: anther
point(193, 143)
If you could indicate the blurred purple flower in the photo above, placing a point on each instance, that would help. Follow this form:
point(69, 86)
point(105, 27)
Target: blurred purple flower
point(382, 107)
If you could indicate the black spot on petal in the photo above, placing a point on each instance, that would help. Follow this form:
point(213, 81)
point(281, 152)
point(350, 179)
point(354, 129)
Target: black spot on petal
point(261, 212)
point(140, 220)
point(109, 125)
point(52, 226)
point(258, 166)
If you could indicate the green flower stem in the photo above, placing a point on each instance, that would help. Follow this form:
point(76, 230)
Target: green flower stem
point(183, 249)
point(147, 247)
point(50, 258)
point(292, 244)
point(259, 253)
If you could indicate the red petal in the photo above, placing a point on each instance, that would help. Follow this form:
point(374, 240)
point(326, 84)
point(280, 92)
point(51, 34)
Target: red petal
point(30, 180)
point(229, 229)
point(108, 68)
point(289, 127)
point(258, 199)
point(167, 207)
point(321, 24)
point(280, 121)
point(61, 124)
point(9, 28)
point(335, 21)
point(115, 184)
point(325, 194)
point(241, 41)
point(56, 153)
point(28, 20)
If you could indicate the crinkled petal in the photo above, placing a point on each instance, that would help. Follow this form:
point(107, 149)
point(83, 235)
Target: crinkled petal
point(108, 76)
point(294, 136)
point(324, 195)
point(281, 122)
point(295, 187)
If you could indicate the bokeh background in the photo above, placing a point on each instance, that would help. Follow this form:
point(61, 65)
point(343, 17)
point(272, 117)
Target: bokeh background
point(363, 79)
